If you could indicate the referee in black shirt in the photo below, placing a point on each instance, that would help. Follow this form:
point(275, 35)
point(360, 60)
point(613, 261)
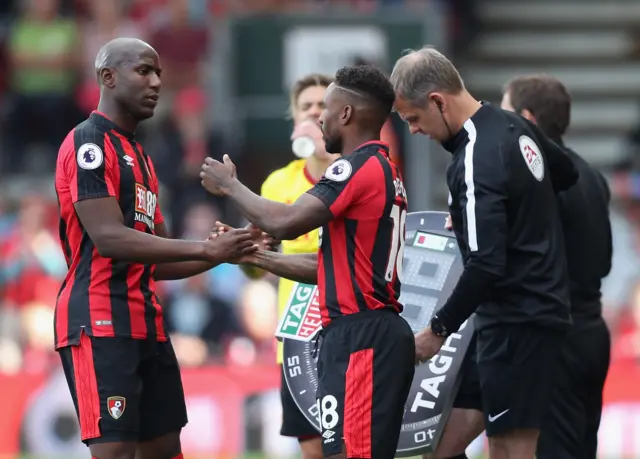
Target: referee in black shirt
point(571, 428)
point(502, 180)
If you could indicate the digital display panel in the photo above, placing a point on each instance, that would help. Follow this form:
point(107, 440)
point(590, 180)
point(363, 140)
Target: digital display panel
point(428, 261)
point(430, 241)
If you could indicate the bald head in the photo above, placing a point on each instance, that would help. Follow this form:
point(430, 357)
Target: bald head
point(128, 72)
point(121, 51)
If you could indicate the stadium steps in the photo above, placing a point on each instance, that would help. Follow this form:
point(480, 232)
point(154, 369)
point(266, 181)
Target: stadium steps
point(579, 14)
point(588, 44)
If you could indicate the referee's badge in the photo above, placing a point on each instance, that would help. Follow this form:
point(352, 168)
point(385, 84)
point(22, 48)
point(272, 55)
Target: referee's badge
point(90, 156)
point(339, 171)
point(116, 406)
point(532, 156)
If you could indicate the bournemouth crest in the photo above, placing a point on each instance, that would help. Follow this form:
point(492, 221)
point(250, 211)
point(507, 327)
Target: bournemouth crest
point(116, 406)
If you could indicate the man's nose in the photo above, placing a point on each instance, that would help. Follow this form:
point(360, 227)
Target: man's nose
point(315, 113)
point(155, 81)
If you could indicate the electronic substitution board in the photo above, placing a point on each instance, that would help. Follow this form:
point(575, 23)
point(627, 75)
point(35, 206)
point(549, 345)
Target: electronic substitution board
point(432, 266)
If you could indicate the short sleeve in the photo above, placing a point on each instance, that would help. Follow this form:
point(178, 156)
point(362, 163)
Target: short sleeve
point(343, 185)
point(90, 164)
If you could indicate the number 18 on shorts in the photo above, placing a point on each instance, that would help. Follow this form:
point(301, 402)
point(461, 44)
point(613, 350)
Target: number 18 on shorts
point(365, 369)
point(329, 418)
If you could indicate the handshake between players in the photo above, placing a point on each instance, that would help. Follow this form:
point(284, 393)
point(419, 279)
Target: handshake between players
point(504, 180)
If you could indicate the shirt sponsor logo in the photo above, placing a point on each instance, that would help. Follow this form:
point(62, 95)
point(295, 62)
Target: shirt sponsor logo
point(146, 202)
point(532, 156)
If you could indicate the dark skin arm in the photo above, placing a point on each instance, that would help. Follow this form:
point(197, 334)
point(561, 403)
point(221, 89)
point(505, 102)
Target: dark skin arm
point(299, 267)
point(179, 270)
point(249, 270)
point(282, 221)
point(184, 269)
point(103, 221)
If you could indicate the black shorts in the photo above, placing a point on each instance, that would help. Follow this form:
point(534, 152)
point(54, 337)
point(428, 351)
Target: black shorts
point(365, 369)
point(294, 423)
point(516, 368)
point(124, 389)
point(469, 395)
point(571, 427)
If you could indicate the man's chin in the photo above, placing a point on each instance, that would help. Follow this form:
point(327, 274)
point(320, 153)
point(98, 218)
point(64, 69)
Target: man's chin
point(331, 148)
point(145, 113)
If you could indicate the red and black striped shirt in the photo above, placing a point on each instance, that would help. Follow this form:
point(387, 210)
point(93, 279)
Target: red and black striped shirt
point(102, 296)
point(361, 249)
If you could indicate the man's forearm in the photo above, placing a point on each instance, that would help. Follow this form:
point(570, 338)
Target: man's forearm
point(181, 270)
point(269, 216)
point(299, 267)
point(126, 244)
point(471, 291)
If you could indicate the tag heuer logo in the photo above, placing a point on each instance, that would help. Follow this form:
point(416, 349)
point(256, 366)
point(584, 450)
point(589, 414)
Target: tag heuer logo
point(116, 406)
point(301, 319)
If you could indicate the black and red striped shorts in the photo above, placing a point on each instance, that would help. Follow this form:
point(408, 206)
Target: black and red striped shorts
point(365, 369)
point(124, 389)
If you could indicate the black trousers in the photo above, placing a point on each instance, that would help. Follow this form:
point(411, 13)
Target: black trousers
point(573, 418)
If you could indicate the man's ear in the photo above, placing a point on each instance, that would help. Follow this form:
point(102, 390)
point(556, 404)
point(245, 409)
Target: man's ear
point(528, 115)
point(438, 100)
point(106, 77)
point(346, 114)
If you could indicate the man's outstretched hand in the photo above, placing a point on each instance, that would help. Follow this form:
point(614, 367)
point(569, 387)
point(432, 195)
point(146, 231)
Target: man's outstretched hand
point(230, 246)
point(260, 239)
point(217, 176)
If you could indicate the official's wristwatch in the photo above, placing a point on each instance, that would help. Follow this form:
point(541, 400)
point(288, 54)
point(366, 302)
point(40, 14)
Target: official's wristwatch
point(438, 328)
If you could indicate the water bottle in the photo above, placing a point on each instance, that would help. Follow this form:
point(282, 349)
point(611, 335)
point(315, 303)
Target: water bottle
point(303, 147)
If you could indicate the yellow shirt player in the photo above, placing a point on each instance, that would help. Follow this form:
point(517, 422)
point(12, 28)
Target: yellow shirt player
point(286, 185)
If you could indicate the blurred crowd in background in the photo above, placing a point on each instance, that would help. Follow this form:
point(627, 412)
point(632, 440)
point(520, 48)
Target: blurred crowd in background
point(47, 86)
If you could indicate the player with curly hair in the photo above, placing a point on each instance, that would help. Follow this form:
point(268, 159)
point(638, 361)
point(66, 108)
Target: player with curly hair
point(367, 360)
